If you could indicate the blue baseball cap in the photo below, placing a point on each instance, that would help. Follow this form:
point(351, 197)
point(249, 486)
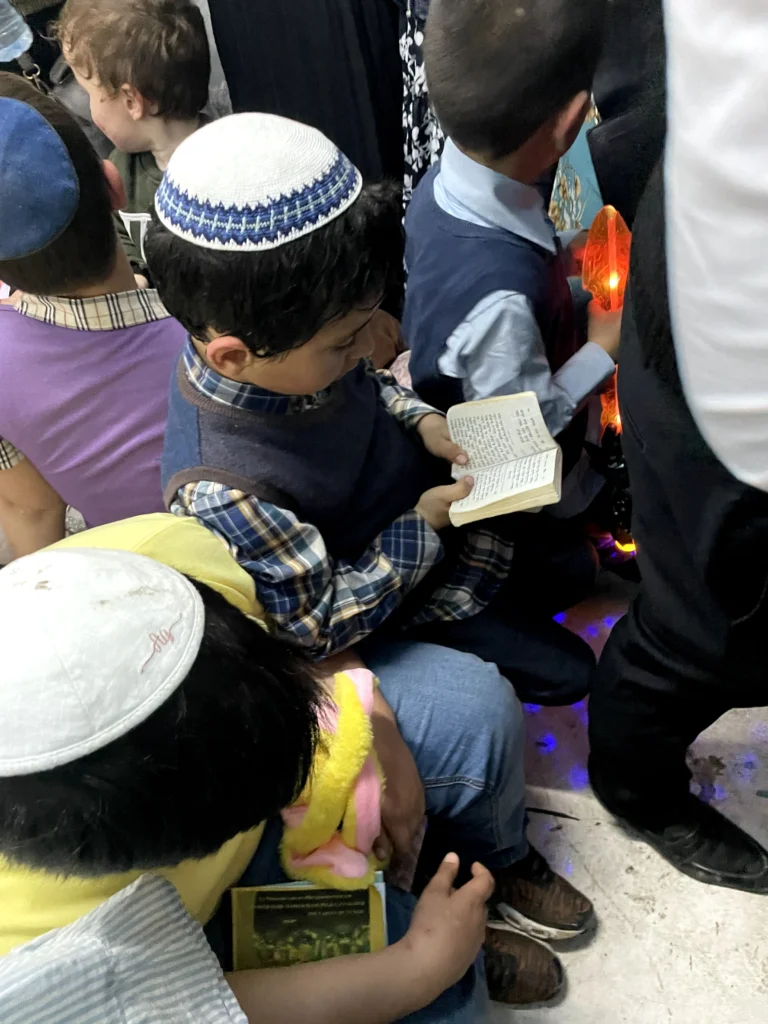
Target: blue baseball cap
point(39, 188)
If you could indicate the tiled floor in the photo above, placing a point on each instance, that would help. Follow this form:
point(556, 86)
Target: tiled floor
point(668, 950)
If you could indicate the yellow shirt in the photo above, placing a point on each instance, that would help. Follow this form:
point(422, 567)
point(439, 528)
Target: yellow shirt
point(33, 902)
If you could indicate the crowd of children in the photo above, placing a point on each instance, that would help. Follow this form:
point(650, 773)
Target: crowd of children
point(191, 331)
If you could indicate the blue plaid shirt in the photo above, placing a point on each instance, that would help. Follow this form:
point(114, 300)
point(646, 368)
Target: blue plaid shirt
point(328, 604)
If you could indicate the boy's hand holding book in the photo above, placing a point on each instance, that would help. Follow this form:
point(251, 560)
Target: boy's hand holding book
point(435, 504)
point(436, 438)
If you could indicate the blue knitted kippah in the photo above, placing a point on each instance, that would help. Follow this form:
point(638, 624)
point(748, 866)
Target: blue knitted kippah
point(39, 189)
point(251, 182)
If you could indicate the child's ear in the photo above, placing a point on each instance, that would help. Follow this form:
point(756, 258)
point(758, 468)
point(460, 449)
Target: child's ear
point(135, 103)
point(116, 186)
point(569, 121)
point(228, 356)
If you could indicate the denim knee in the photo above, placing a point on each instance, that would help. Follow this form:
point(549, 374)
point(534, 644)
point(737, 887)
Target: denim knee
point(490, 707)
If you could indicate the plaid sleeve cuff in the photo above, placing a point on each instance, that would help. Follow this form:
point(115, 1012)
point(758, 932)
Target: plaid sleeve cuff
point(400, 402)
point(9, 455)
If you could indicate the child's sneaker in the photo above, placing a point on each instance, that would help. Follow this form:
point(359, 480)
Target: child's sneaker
point(530, 896)
point(520, 971)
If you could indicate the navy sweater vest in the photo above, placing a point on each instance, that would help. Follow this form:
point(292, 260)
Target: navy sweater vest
point(452, 265)
point(347, 466)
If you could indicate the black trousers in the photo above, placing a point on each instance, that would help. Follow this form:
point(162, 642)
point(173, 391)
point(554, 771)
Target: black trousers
point(554, 568)
point(333, 64)
point(695, 641)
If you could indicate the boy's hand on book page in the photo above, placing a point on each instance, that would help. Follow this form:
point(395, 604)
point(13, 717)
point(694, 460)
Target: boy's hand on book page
point(604, 328)
point(434, 433)
point(403, 805)
point(448, 925)
point(434, 504)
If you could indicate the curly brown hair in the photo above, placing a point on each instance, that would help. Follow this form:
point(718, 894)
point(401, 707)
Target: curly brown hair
point(159, 47)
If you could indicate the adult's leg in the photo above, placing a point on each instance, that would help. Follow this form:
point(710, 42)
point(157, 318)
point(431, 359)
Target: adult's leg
point(691, 646)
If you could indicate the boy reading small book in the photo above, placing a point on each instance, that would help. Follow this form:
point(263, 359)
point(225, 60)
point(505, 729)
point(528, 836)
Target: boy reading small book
point(488, 307)
point(330, 482)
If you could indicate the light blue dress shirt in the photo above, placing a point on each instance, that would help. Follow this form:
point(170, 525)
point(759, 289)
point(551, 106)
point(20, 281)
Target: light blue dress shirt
point(498, 349)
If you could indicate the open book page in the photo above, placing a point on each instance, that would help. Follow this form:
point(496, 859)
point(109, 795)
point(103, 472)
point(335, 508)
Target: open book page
point(509, 479)
point(498, 430)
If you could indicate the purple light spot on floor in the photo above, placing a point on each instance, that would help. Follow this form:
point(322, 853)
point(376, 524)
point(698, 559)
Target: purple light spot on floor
point(579, 705)
point(568, 867)
point(534, 709)
point(578, 777)
point(560, 617)
point(592, 631)
point(719, 793)
point(547, 742)
point(609, 621)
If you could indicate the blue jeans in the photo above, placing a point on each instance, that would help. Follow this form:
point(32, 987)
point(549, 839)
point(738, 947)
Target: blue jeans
point(464, 726)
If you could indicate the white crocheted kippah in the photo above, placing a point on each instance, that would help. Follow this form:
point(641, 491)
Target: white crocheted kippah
point(254, 181)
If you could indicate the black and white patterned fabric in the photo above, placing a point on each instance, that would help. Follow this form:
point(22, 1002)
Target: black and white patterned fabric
point(422, 136)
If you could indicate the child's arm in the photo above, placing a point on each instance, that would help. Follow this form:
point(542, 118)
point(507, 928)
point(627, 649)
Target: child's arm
point(32, 515)
point(498, 350)
point(446, 933)
point(404, 405)
point(324, 604)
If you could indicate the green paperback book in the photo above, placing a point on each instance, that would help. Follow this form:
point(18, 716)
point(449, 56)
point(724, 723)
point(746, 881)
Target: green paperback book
point(294, 923)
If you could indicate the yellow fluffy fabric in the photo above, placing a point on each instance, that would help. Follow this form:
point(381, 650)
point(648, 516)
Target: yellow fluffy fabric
point(329, 795)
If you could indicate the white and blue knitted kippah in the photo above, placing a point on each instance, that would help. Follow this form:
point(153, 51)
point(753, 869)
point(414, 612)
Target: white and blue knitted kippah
point(251, 182)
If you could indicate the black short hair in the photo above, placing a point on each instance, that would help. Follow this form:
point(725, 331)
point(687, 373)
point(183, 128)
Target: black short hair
point(497, 70)
point(84, 253)
point(278, 299)
point(230, 748)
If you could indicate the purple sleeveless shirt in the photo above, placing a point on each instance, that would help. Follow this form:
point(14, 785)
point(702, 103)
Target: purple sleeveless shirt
point(88, 409)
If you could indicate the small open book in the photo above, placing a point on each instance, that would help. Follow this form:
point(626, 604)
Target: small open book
point(516, 463)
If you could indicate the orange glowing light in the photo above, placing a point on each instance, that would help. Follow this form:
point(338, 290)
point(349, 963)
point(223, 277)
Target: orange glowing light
point(609, 408)
point(606, 258)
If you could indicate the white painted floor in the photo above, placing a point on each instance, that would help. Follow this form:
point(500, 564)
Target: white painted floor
point(668, 950)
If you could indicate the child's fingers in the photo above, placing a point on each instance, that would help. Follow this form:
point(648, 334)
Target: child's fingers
point(443, 447)
point(459, 490)
point(449, 450)
point(442, 881)
point(479, 889)
point(382, 848)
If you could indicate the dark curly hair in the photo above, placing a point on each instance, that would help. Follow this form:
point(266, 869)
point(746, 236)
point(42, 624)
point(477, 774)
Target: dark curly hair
point(278, 299)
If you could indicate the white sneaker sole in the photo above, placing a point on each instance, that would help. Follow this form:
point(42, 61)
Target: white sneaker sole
point(505, 926)
point(534, 929)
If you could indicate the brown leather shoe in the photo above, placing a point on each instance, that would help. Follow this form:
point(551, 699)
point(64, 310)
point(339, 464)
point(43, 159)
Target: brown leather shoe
point(520, 970)
point(531, 897)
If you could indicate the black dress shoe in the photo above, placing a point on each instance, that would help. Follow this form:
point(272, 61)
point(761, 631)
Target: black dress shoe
point(710, 848)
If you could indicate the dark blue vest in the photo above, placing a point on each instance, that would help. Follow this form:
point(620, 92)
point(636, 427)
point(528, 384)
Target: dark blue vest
point(347, 466)
point(452, 265)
